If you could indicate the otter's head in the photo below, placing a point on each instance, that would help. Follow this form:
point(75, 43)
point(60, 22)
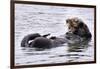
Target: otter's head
point(73, 22)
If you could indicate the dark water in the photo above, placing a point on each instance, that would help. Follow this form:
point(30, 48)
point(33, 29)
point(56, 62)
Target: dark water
point(50, 19)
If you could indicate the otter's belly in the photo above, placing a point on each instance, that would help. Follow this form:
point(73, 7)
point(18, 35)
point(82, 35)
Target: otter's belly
point(75, 39)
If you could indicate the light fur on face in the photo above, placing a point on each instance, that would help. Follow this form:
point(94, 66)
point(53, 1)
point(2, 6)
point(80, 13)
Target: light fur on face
point(73, 22)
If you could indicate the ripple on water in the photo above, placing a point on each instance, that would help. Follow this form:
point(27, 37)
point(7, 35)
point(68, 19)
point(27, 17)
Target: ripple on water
point(43, 20)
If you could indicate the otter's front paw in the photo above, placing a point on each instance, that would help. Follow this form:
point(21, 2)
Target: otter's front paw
point(68, 33)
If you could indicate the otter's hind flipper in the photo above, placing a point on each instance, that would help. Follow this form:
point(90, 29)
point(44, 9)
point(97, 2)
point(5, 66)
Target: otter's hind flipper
point(45, 35)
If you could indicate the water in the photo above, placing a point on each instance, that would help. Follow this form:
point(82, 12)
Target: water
point(50, 19)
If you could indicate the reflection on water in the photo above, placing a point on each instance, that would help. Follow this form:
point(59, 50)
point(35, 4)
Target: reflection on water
point(75, 48)
point(43, 20)
point(79, 47)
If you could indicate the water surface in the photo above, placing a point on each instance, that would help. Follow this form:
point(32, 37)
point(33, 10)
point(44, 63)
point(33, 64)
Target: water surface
point(50, 19)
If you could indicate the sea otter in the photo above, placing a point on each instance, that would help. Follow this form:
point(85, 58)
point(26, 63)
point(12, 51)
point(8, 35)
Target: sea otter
point(78, 27)
point(38, 41)
point(77, 32)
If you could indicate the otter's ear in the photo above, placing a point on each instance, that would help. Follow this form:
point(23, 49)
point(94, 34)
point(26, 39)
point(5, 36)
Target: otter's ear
point(81, 24)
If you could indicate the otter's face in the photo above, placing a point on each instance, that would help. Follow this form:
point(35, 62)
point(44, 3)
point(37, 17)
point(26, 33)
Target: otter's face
point(73, 22)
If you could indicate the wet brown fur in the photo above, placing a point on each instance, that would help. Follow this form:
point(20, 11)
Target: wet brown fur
point(78, 27)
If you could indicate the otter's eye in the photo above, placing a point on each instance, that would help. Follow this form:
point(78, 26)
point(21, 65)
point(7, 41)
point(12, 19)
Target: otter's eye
point(68, 21)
